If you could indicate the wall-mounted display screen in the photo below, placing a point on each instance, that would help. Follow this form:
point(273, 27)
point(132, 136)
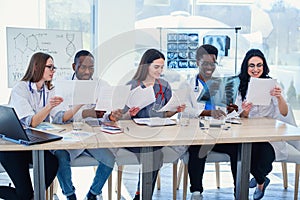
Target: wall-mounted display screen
point(181, 50)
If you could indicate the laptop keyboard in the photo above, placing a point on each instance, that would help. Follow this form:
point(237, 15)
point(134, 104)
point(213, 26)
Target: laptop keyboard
point(36, 137)
point(33, 138)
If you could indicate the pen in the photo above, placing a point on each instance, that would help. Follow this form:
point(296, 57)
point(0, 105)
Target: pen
point(62, 130)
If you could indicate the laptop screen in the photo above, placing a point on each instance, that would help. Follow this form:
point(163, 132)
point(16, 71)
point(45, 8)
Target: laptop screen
point(10, 125)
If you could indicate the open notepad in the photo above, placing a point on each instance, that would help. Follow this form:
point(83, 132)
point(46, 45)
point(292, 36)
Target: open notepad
point(154, 121)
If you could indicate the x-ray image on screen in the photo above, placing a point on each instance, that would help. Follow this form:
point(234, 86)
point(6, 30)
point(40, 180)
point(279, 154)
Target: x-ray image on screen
point(183, 37)
point(181, 50)
point(183, 55)
point(172, 37)
point(193, 37)
point(172, 55)
point(221, 42)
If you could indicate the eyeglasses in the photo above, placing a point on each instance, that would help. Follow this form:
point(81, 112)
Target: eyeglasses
point(206, 64)
point(51, 67)
point(83, 67)
point(259, 65)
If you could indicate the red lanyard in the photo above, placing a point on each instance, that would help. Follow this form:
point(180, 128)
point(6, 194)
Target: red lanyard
point(160, 92)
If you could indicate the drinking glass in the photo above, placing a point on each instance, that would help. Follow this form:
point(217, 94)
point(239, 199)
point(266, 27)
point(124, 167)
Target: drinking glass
point(184, 119)
point(78, 123)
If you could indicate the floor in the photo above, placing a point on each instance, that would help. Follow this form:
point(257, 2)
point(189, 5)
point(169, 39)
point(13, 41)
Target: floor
point(275, 190)
point(84, 175)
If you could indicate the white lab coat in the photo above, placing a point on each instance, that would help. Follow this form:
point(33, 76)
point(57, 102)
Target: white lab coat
point(27, 101)
point(272, 110)
point(193, 107)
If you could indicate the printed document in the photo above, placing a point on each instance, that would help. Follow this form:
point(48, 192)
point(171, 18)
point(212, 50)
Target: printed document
point(259, 91)
point(76, 92)
point(141, 97)
point(112, 97)
point(178, 98)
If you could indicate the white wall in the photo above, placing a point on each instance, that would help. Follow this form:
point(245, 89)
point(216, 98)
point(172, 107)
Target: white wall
point(16, 13)
point(116, 39)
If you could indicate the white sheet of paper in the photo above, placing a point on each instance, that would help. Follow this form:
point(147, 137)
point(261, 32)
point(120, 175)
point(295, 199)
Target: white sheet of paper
point(112, 97)
point(76, 92)
point(47, 126)
point(259, 91)
point(154, 121)
point(178, 98)
point(232, 115)
point(141, 97)
point(74, 136)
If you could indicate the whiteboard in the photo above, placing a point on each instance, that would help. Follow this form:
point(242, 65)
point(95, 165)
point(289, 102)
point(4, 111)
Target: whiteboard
point(22, 43)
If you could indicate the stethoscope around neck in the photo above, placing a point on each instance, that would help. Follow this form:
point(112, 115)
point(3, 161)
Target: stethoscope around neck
point(208, 104)
point(43, 92)
point(197, 79)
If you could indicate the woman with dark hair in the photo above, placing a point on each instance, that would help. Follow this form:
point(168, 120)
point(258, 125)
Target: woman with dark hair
point(148, 75)
point(263, 153)
point(34, 102)
point(245, 76)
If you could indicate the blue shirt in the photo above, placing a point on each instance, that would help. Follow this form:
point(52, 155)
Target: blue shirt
point(206, 97)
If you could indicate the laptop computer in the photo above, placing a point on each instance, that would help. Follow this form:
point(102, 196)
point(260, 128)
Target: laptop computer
point(12, 130)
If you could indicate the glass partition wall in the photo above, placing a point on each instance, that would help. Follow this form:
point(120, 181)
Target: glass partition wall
point(272, 26)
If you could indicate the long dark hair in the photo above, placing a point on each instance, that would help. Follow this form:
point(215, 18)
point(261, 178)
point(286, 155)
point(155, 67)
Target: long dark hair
point(148, 57)
point(245, 77)
point(36, 68)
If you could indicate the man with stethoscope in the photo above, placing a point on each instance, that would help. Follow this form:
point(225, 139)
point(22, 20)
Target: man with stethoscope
point(201, 103)
point(83, 67)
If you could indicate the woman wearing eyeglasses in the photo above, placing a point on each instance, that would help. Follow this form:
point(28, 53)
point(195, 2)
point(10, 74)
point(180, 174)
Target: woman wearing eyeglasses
point(263, 154)
point(34, 102)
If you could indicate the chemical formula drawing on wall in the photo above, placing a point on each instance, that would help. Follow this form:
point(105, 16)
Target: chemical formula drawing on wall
point(23, 42)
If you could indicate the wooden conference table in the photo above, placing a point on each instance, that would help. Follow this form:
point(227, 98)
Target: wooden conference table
point(251, 130)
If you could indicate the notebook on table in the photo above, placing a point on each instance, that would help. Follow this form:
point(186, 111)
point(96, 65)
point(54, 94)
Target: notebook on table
point(12, 130)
